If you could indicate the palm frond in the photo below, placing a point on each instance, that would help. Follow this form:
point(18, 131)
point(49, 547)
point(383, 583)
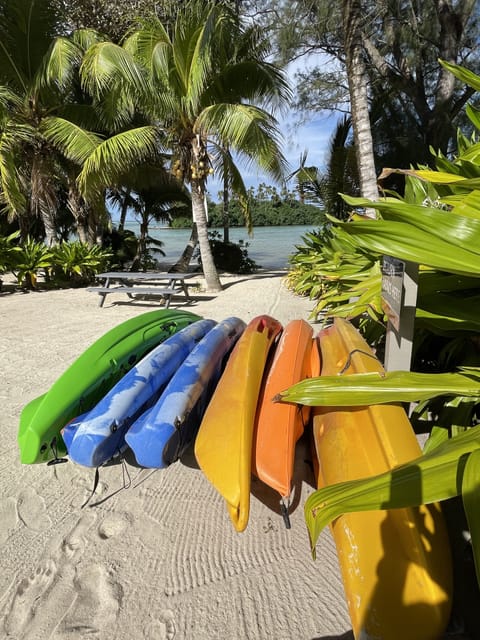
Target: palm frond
point(60, 65)
point(250, 131)
point(12, 195)
point(85, 38)
point(106, 65)
point(195, 59)
point(262, 84)
point(75, 143)
point(114, 156)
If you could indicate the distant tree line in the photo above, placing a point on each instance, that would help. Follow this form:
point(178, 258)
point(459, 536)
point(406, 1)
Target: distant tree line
point(269, 207)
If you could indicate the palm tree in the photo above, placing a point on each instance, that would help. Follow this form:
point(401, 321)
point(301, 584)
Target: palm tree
point(204, 96)
point(153, 194)
point(38, 83)
point(27, 169)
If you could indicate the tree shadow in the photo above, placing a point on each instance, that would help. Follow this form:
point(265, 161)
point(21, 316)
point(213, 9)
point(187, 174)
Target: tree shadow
point(410, 542)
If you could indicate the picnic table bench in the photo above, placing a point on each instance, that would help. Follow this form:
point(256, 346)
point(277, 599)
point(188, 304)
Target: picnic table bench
point(163, 284)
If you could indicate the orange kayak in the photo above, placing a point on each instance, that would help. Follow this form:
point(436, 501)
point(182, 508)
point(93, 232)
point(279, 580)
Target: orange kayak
point(223, 446)
point(279, 425)
point(396, 565)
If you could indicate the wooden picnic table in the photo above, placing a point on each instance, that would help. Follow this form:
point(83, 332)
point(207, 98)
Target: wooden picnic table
point(164, 284)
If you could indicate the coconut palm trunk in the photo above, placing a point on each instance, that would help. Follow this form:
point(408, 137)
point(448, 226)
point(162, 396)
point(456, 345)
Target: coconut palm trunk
point(357, 84)
point(182, 264)
point(200, 218)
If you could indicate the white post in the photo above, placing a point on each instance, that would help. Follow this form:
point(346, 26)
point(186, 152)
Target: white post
point(400, 327)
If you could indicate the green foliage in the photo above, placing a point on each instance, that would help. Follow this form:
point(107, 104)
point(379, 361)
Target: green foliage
point(437, 224)
point(73, 262)
point(33, 257)
point(342, 280)
point(77, 262)
point(230, 256)
point(340, 175)
point(269, 207)
point(148, 257)
point(9, 251)
point(121, 245)
point(181, 222)
point(410, 111)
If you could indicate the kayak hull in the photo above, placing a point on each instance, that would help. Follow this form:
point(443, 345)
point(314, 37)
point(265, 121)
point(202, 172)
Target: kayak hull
point(223, 447)
point(97, 436)
point(396, 565)
point(87, 380)
point(161, 435)
point(279, 425)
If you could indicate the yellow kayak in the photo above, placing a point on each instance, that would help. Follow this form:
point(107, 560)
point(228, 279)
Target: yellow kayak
point(396, 565)
point(223, 446)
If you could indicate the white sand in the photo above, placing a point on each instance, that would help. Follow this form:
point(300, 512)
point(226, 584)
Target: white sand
point(159, 559)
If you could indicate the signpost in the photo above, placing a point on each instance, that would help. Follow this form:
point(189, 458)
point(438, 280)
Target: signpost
point(399, 299)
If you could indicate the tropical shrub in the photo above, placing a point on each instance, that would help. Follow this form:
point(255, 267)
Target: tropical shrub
point(32, 258)
point(122, 245)
point(9, 250)
point(77, 262)
point(342, 280)
point(230, 256)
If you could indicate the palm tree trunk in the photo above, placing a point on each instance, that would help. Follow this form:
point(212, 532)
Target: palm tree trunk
point(139, 259)
point(43, 201)
point(124, 210)
point(226, 206)
point(182, 264)
point(357, 83)
point(200, 217)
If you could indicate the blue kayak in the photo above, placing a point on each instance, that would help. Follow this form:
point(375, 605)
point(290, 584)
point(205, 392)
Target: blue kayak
point(99, 434)
point(159, 436)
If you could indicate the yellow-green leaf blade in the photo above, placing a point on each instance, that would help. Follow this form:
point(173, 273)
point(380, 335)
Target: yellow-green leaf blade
point(361, 389)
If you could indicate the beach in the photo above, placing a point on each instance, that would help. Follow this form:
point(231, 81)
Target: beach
point(153, 555)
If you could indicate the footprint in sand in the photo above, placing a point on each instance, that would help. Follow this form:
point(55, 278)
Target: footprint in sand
point(27, 597)
point(32, 511)
point(42, 599)
point(8, 518)
point(73, 545)
point(161, 629)
point(114, 525)
point(96, 604)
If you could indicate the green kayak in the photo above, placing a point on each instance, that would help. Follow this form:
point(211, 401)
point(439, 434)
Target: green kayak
point(89, 378)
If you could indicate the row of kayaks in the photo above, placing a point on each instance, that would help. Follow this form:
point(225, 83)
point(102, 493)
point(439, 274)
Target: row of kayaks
point(166, 380)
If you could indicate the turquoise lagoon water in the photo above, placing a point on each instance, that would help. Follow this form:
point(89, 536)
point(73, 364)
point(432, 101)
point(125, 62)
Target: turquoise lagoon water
point(269, 246)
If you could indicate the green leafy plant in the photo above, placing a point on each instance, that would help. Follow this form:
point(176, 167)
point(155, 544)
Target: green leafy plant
point(78, 262)
point(33, 257)
point(9, 250)
point(230, 256)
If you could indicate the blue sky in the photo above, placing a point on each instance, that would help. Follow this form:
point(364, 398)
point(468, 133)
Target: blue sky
point(312, 136)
